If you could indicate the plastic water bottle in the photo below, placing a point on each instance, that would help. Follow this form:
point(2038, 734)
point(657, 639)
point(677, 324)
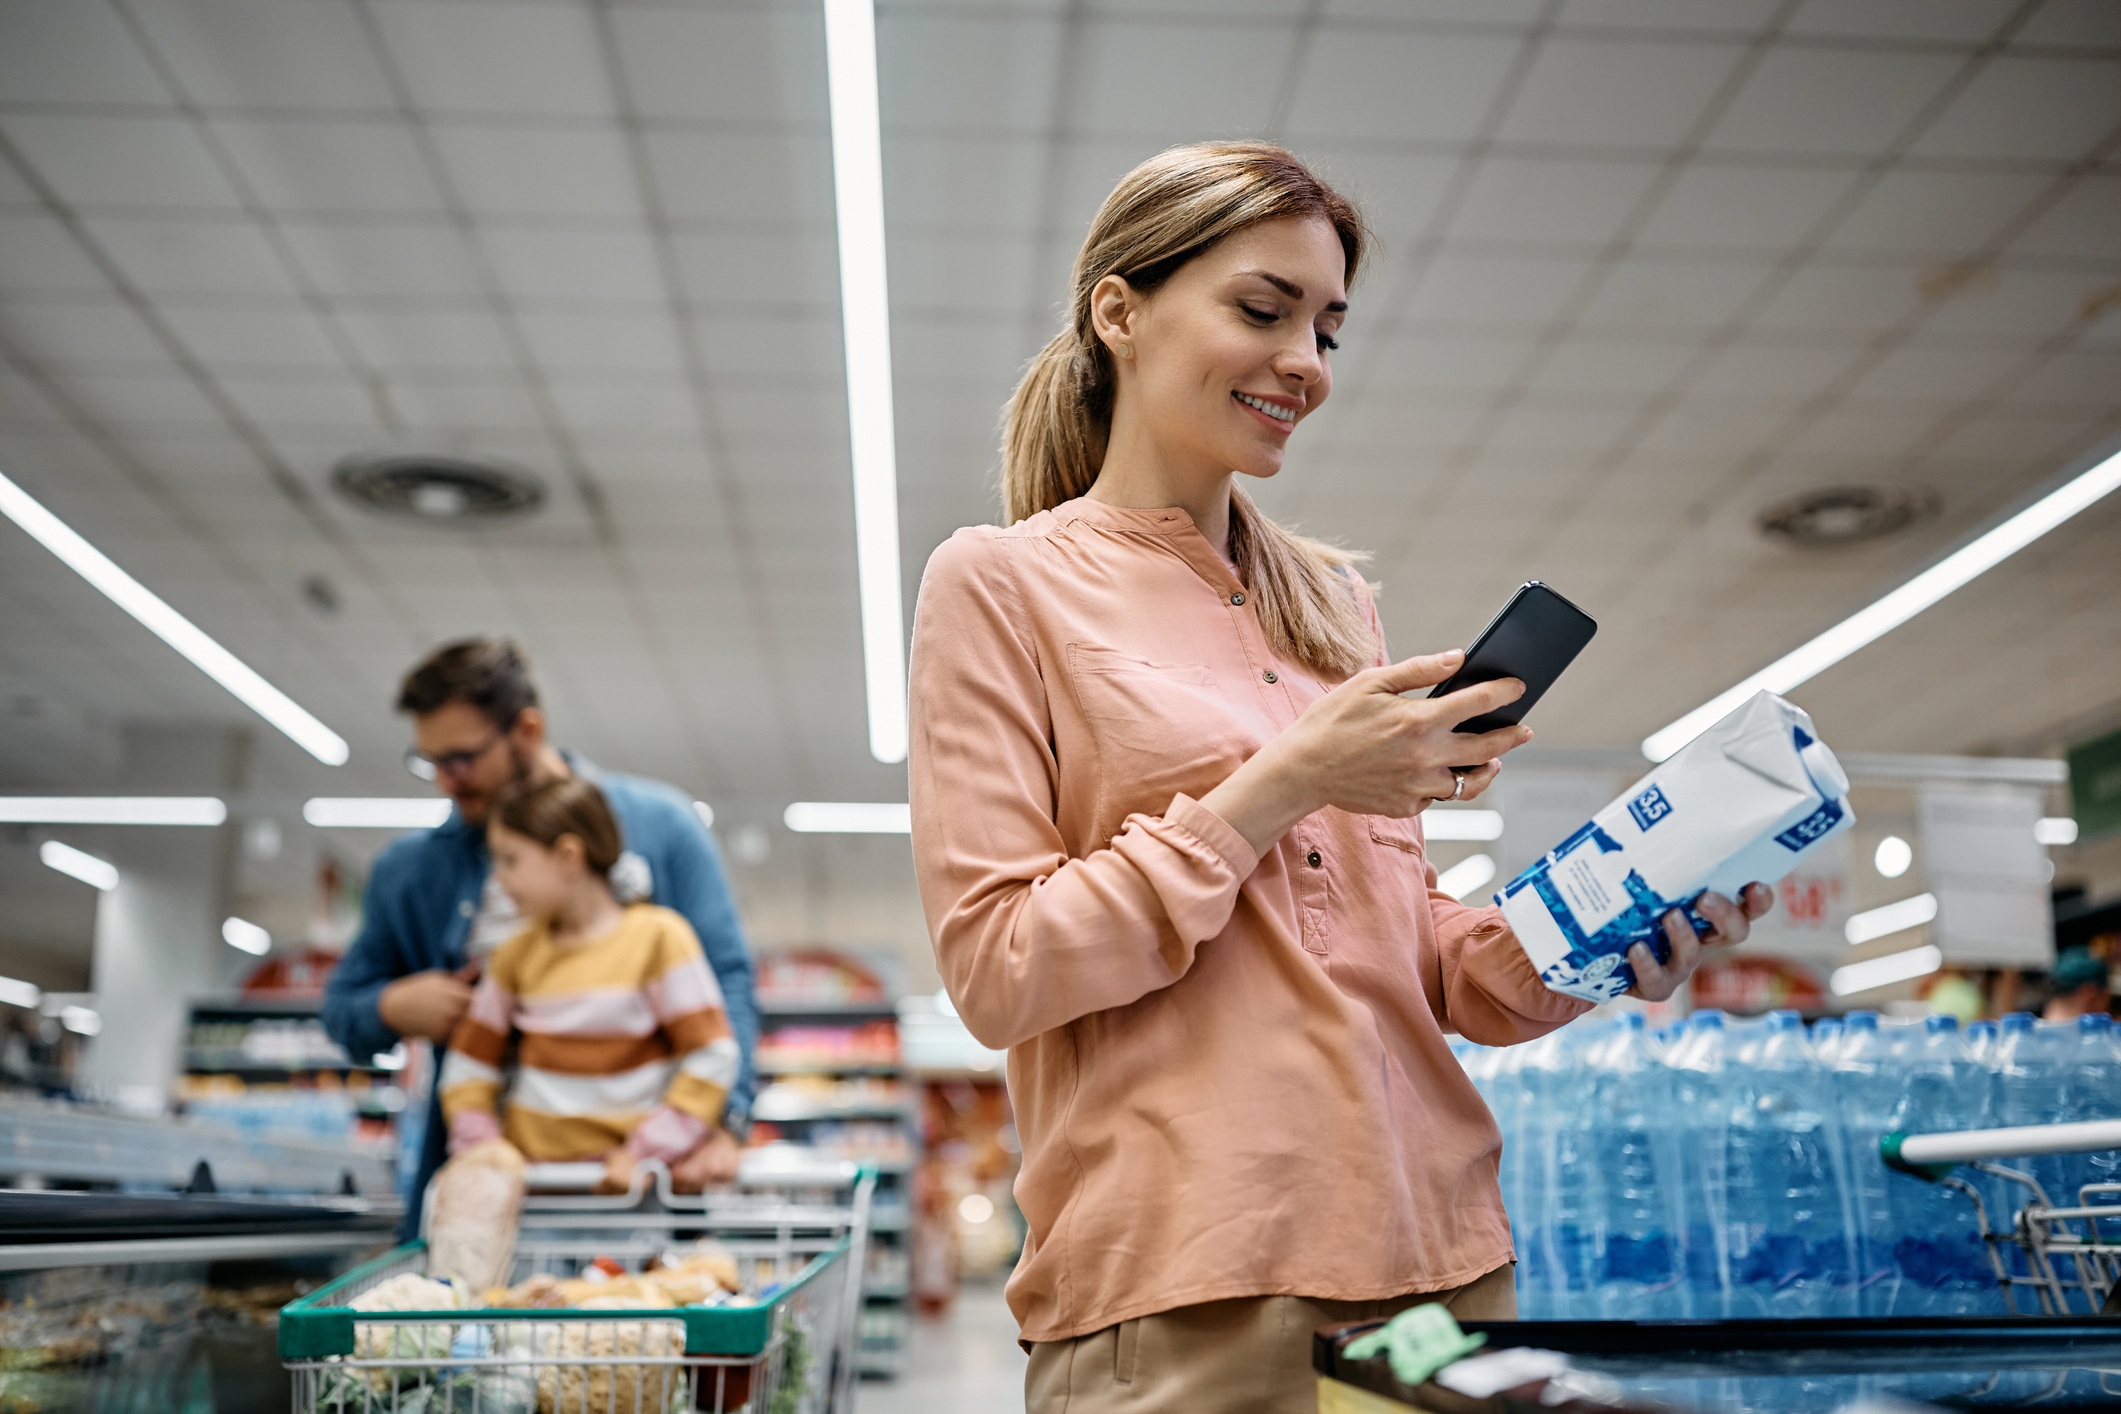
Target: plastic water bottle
point(1637, 1269)
point(1942, 1263)
point(2092, 1086)
point(1826, 1039)
point(1577, 1185)
point(1865, 1092)
point(1980, 1039)
point(2030, 1089)
point(1698, 1059)
point(1787, 1234)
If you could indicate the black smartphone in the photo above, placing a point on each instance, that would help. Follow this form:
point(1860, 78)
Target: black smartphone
point(1537, 634)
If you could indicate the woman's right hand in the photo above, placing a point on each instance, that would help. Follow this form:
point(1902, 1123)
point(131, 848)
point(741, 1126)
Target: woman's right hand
point(1364, 748)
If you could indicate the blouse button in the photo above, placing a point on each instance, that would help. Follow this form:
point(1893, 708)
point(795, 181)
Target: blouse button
point(1237, 598)
point(1269, 677)
point(1314, 859)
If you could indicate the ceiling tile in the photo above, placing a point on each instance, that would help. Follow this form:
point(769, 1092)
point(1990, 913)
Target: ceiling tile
point(1672, 294)
point(2078, 377)
point(609, 343)
point(749, 342)
point(1775, 370)
point(1398, 191)
point(112, 161)
point(159, 400)
point(62, 51)
point(1413, 12)
point(80, 331)
point(2021, 303)
point(610, 263)
point(1941, 213)
point(743, 177)
point(42, 256)
point(246, 338)
point(268, 54)
point(464, 57)
point(2083, 222)
point(1521, 198)
point(1944, 374)
point(976, 273)
point(963, 70)
point(1467, 289)
point(930, 184)
point(194, 257)
point(1588, 365)
point(1817, 100)
point(1961, 20)
point(335, 403)
point(2092, 24)
point(1717, 16)
point(1386, 86)
point(1632, 93)
point(434, 401)
point(1164, 78)
point(396, 340)
point(787, 269)
point(1840, 300)
point(745, 66)
point(644, 404)
point(359, 261)
point(515, 171)
point(365, 164)
point(2053, 109)
point(1762, 208)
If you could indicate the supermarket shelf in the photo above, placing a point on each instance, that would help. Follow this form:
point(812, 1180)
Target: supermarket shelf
point(293, 1007)
point(209, 1063)
point(811, 1114)
point(825, 1067)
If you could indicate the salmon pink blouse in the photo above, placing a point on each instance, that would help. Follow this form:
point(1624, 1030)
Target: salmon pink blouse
point(1229, 1071)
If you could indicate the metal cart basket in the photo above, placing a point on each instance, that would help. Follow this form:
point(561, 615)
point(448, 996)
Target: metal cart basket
point(796, 1227)
point(2069, 1258)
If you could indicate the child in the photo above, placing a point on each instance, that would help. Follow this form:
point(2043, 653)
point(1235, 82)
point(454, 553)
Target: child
point(623, 1051)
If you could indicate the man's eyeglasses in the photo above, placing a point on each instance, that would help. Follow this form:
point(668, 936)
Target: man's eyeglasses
point(449, 763)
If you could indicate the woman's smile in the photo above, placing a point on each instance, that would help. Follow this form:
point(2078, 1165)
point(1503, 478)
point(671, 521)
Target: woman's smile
point(1279, 416)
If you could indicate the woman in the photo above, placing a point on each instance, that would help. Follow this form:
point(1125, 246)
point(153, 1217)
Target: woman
point(1166, 802)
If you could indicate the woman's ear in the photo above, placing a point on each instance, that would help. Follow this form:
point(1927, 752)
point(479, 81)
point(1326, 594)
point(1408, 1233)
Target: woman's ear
point(1113, 307)
point(571, 852)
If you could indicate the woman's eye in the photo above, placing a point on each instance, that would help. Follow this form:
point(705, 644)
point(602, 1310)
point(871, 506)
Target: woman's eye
point(1328, 342)
point(1264, 316)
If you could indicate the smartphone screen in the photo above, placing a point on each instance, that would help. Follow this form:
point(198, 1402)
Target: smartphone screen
point(1537, 635)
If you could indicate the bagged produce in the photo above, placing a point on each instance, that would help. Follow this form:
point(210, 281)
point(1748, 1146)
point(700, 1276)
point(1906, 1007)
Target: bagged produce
point(473, 1209)
point(1746, 800)
point(609, 1388)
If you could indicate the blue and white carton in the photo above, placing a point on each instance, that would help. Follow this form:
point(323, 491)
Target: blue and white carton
point(1746, 800)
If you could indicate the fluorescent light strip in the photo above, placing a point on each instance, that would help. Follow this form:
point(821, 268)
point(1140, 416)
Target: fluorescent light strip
point(865, 320)
point(1896, 608)
point(15, 992)
point(1884, 971)
point(1892, 918)
point(2055, 829)
point(96, 873)
point(1461, 824)
point(112, 810)
point(80, 1020)
point(848, 817)
point(243, 934)
point(1466, 875)
point(418, 812)
point(172, 627)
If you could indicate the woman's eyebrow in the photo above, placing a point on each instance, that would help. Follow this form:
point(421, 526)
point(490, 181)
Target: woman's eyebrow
point(1295, 291)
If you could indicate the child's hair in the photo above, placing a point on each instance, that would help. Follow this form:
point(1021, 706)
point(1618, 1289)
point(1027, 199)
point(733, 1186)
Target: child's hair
point(545, 810)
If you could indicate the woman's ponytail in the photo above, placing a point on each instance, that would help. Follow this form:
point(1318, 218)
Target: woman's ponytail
point(1057, 423)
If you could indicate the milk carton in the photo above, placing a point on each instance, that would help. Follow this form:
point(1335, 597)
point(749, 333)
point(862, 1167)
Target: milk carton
point(1745, 800)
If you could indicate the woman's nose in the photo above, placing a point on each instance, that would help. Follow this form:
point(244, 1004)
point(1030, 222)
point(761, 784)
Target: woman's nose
point(1301, 360)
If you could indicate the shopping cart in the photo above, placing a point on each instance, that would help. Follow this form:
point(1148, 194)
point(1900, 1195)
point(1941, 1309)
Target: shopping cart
point(796, 1225)
point(2069, 1257)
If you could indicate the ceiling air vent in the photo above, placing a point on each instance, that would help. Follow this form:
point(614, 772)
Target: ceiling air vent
point(439, 490)
point(1844, 515)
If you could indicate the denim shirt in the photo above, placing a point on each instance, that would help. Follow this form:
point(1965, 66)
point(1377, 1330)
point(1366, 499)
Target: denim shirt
point(423, 893)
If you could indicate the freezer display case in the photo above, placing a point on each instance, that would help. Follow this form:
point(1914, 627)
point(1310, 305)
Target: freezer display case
point(143, 1263)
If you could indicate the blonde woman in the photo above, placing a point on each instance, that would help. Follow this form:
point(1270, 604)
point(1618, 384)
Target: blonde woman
point(1166, 801)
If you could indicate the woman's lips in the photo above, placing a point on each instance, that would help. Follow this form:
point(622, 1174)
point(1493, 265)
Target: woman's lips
point(1278, 424)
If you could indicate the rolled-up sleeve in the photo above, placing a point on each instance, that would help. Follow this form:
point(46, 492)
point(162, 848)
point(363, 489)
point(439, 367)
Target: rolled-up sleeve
point(1026, 937)
point(1489, 992)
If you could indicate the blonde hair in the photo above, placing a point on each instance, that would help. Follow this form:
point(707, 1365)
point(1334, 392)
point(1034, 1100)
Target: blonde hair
point(1162, 214)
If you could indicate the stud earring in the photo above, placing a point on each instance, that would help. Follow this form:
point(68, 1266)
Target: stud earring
point(1124, 350)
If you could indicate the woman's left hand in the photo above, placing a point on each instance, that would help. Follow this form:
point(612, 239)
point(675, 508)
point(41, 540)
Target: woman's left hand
point(1733, 922)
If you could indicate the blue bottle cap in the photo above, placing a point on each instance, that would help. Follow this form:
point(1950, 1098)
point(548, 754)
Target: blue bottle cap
point(1710, 1018)
point(1934, 1024)
point(2018, 1021)
point(1861, 1020)
point(1784, 1021)
point(2095, 1021)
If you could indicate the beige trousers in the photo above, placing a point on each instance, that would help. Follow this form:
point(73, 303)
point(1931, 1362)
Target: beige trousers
point(1249, 1355)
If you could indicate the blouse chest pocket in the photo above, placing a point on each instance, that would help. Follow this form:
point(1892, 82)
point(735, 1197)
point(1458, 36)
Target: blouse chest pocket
point(1154, 729)
point(1397, 833)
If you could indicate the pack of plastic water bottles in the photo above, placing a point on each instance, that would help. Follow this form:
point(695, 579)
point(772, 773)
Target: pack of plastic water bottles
point(1730, 1169)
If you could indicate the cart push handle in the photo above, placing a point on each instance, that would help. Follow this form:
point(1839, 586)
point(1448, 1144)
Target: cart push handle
point(1932, 1156)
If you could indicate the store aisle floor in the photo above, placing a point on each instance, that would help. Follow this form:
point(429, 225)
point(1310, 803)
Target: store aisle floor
point(966, 1363)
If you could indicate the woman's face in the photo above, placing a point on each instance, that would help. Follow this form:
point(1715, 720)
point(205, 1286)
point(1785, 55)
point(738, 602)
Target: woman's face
point(1230, 354)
